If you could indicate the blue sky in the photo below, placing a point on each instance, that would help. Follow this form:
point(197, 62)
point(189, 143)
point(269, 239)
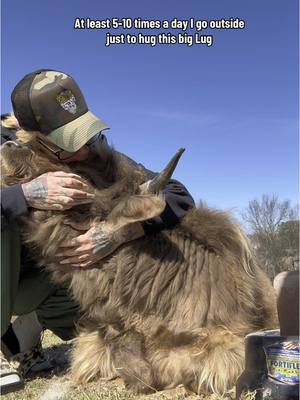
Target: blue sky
point(233, 105)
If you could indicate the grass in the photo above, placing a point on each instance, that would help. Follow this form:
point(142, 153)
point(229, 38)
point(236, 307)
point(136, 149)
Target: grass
point(54, 385)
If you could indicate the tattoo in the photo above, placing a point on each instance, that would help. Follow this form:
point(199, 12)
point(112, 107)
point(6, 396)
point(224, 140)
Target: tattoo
point(106, 240)
point(36, 191)
point(75, 241)
point(102, 241)
point(63, 193)
point(131, 232)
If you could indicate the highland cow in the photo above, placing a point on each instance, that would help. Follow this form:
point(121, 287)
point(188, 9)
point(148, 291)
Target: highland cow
point(167, 309)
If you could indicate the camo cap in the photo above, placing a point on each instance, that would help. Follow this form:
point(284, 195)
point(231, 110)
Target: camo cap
point(51, 102)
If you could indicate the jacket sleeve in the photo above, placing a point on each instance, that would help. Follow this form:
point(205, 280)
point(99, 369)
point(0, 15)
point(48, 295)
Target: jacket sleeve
point(178, 202)
point(13, 204)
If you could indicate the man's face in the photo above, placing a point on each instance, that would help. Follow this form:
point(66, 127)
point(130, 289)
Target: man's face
point(57, 153)
point(80, 155)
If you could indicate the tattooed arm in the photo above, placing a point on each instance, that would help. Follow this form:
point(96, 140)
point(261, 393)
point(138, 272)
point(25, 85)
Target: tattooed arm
point(98, 242)
point(51, 191)
point(56, 191)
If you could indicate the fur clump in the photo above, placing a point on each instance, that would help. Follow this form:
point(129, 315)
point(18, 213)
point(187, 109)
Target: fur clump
point(56, 390)
point(167, 309)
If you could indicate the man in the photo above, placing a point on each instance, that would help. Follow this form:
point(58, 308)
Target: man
point(24, 290)
point(51, 103)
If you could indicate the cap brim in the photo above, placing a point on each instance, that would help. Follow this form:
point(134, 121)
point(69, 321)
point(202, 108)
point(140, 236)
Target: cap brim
point(75, 134)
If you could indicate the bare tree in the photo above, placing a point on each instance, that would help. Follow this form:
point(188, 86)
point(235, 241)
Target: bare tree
point(274, 229)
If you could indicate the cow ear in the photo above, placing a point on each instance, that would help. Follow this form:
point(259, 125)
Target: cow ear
point(137, 208)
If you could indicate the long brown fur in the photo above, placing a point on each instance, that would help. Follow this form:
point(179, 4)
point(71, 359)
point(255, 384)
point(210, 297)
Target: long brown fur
point(167, 309)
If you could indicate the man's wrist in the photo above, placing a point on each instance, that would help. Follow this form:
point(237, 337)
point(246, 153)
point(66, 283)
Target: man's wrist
point(25, 193)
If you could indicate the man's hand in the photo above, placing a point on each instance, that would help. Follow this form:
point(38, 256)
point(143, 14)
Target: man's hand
point(57, 191)
point(97, 243)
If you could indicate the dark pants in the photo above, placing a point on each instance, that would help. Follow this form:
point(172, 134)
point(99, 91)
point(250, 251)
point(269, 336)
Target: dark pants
point(33, 291)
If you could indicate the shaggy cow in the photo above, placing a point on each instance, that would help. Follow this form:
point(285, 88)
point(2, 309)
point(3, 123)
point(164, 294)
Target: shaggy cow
point(167, 309)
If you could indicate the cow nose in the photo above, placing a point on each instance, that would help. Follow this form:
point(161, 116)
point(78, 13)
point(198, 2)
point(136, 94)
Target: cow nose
point(11, 143)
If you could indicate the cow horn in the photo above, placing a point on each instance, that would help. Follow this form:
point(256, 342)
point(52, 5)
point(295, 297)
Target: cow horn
point(161, 180)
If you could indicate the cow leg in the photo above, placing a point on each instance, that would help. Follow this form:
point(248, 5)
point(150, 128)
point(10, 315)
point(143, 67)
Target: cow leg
point(91, 358)
point(209, 361)
point(128, 356)
point(215, 363)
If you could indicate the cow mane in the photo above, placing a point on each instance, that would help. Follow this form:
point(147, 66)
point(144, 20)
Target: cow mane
point(218, 232)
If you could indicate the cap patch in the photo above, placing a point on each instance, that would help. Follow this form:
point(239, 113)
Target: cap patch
point(67, 100)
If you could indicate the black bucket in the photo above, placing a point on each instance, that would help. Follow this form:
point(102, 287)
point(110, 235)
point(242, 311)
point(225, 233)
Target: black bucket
point(271, 367)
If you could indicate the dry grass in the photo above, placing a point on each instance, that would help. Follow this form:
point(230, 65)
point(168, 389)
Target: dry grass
point(54, 386)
